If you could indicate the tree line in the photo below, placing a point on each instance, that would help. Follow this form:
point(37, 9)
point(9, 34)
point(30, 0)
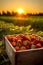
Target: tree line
point(8, 13)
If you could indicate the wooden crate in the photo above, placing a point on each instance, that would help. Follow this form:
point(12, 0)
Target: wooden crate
point(25, 57)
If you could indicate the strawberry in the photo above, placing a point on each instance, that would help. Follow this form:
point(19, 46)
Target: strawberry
point(24, 37)
point(18, 36)
point(15, 39)
point(19, 41)
point(36, 41)
point(41, 41)
point(13, 43)
point(23, 48)
point(38, 45)
point(9, 37)
point(17, 48)
point(27, 47)
point(29, 43)
point(32, 38)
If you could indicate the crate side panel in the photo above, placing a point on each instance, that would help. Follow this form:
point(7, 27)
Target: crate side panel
point(10, 52)
point(30, 57)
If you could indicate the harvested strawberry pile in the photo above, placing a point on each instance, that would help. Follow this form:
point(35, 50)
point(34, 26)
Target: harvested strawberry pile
point(24, 42)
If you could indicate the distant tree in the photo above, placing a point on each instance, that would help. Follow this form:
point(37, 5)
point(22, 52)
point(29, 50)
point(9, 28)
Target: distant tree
point(29, 14)
point(3, 13)
point(13, 14)
point(35, 14)
point(40, 14)
point(8, 13)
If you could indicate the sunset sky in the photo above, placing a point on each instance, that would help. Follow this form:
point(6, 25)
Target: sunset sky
point(30, 6)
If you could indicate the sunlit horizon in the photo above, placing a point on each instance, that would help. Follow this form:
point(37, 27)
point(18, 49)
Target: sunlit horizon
point(28, 6)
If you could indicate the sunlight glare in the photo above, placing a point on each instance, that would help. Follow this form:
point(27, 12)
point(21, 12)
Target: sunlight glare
point(20, 11)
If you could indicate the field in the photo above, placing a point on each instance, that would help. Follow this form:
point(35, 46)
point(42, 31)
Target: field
point(16, 25)
point(13, 24)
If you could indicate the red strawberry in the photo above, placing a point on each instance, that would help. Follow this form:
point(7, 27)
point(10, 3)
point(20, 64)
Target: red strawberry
point(27, 47)
point(36, 41)
point(24, 37)
point(18, 36)
point(17, 48)
point(15, 39)
point(32, 39)
point(41, 41)
point(19, 41)
point(38, 45)
point(29, 43)
point(23, 48)
point(13, 43)
point(9, 37)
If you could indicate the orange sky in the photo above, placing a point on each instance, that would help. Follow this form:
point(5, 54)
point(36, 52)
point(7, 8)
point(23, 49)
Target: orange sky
point(30, 6)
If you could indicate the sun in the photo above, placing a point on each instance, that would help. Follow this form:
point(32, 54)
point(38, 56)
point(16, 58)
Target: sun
point(20, 11)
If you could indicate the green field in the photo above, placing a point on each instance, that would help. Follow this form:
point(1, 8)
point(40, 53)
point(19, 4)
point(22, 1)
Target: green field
point(12, 25)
